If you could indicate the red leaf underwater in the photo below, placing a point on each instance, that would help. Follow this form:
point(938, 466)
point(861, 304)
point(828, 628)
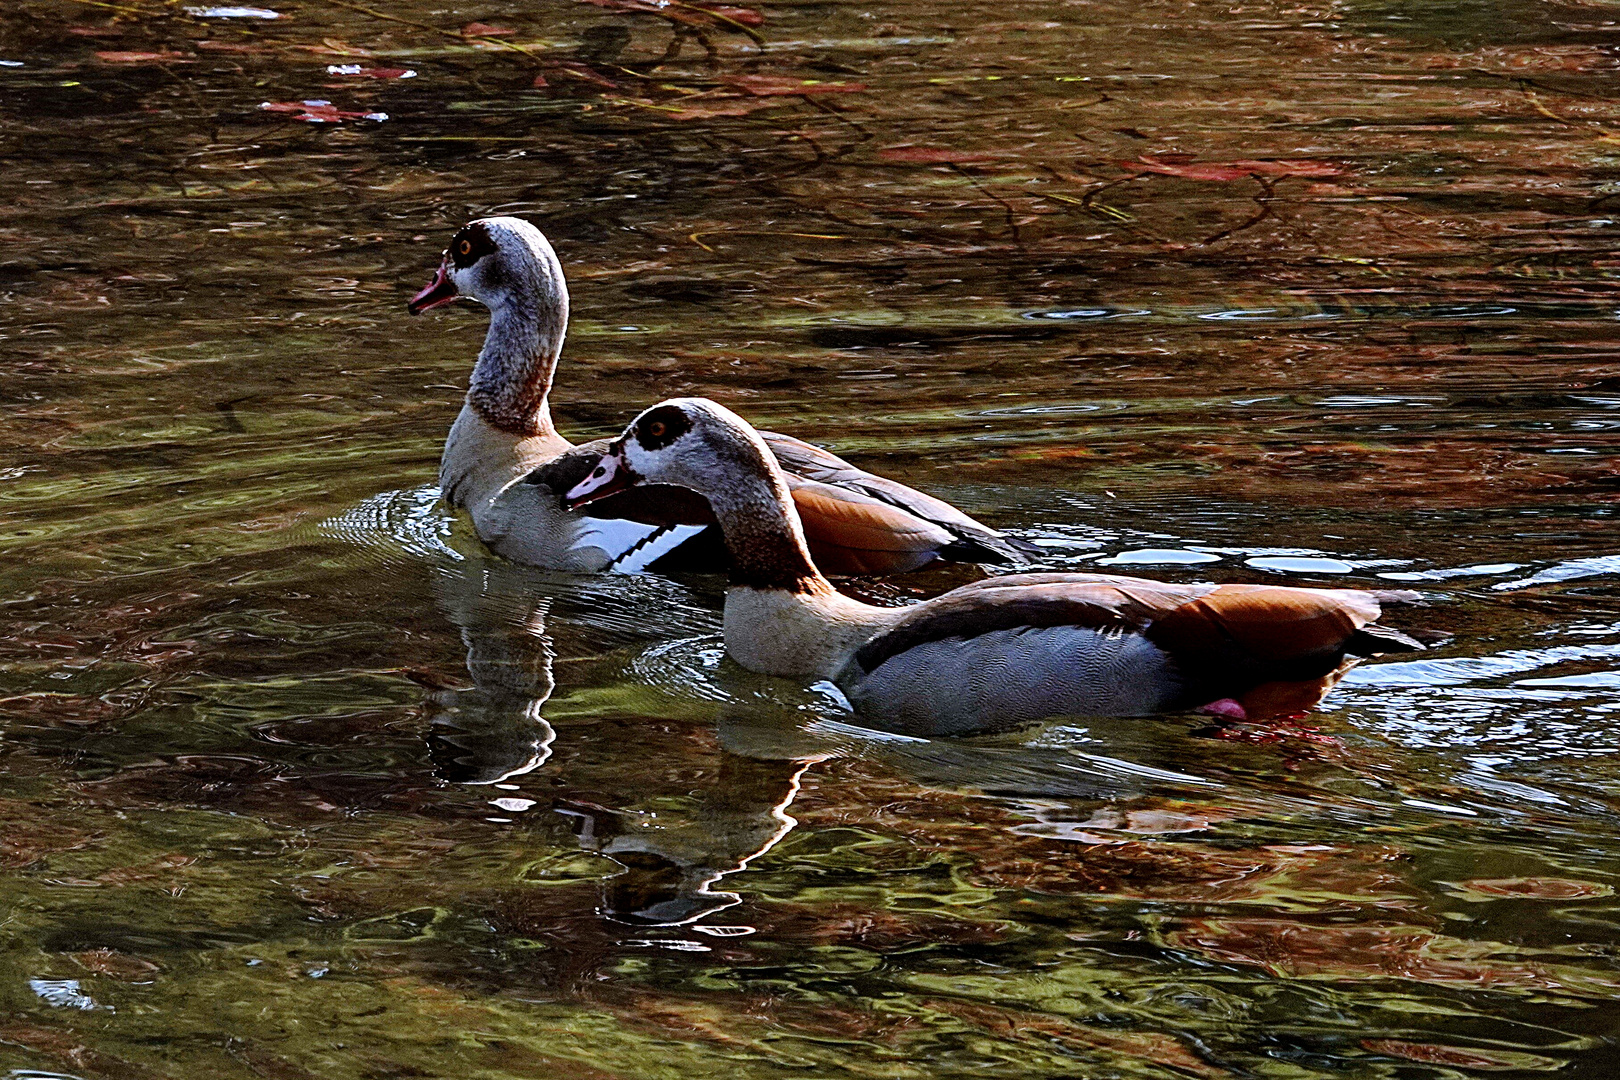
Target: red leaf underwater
point(112, 57)
point(355, 71)
point(932, 155)
point(318, 112)
point(1232, 170)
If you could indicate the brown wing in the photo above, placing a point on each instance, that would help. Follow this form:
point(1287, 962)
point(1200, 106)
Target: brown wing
point(1269, 644)
point(1098, 601)
point(850, 533)
point(966, 540)
point(1242, 637)
point(1273, 624)
point(1226, 640)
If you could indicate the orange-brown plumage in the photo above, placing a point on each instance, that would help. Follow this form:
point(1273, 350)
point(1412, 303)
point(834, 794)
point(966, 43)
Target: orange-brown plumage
point(853, 534)
point(1270, 623)
point(855, 523)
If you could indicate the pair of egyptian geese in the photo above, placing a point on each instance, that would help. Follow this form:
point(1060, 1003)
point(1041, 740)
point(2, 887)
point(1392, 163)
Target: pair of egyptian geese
point(691, 485)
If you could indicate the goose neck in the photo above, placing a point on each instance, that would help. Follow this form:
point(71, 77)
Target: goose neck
point(765, 538)
point(512, 379)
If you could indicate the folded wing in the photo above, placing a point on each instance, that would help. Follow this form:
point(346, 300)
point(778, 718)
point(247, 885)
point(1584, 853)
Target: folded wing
point(856, 523)
point(1218, 641)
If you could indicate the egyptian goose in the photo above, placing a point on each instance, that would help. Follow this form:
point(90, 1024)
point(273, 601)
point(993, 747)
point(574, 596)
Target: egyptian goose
point(999, 651)
point(857, 523)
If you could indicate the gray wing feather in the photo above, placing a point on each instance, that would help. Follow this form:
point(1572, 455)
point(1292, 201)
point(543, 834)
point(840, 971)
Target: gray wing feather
point(1006, 677)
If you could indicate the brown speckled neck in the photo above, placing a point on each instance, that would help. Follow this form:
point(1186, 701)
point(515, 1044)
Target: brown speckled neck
point(764, 536)
point(513, 375)
point(766, 557)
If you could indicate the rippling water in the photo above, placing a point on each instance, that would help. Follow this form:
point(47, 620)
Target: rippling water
point(300, 782)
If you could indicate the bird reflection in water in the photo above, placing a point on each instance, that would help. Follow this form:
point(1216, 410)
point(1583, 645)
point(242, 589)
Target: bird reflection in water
point(769, 733)
point(670, 869)
point(494, 732)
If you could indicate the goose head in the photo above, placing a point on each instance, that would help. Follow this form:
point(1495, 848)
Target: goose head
point(693, 443)
point(499, 261)
point(507, 265)
point(697, 444)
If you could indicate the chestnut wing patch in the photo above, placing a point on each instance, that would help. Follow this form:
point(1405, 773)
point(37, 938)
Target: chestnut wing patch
point(968, 541)
point(1239, 636)
point(852, 533)
point(1272, 624)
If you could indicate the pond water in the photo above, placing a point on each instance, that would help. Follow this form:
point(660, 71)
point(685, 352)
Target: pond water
point(299, 782)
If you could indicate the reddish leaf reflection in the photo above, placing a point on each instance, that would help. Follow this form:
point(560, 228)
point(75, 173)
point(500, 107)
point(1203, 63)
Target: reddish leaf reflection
point(1292, 949)
point(319, 112)
point(1231, 170)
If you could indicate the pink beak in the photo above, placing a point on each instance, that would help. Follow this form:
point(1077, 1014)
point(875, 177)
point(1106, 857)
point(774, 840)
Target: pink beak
point(441, 290)
point(611, 476)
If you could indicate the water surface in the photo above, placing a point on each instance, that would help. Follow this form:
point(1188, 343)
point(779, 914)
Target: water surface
point(299, 782)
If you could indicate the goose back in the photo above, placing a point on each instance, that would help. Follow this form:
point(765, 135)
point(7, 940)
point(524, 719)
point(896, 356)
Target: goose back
point(1183, 645)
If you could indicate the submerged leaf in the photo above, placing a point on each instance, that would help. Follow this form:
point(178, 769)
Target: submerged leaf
point(932, 155)
point(318, 112)
point(1231, 170)
point(114, 57)
point(1532, 888)
point(1466, 1057)
point(746, 16)
point(779, 85)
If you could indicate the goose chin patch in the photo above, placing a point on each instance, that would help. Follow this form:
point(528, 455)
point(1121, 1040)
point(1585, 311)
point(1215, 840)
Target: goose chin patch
point(441, 290)
point(610, 477)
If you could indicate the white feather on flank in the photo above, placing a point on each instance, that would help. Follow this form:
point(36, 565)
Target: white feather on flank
point(630, 546)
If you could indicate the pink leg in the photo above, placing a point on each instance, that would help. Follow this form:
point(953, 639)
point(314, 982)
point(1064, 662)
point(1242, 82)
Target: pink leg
point(1226, 708)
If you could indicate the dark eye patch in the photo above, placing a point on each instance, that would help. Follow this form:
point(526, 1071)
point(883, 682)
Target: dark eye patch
point(662, 426)
point(471, 243)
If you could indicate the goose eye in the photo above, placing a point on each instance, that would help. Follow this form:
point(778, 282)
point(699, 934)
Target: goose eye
point(599, 473)
point(465, 247)
point(656, 429)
